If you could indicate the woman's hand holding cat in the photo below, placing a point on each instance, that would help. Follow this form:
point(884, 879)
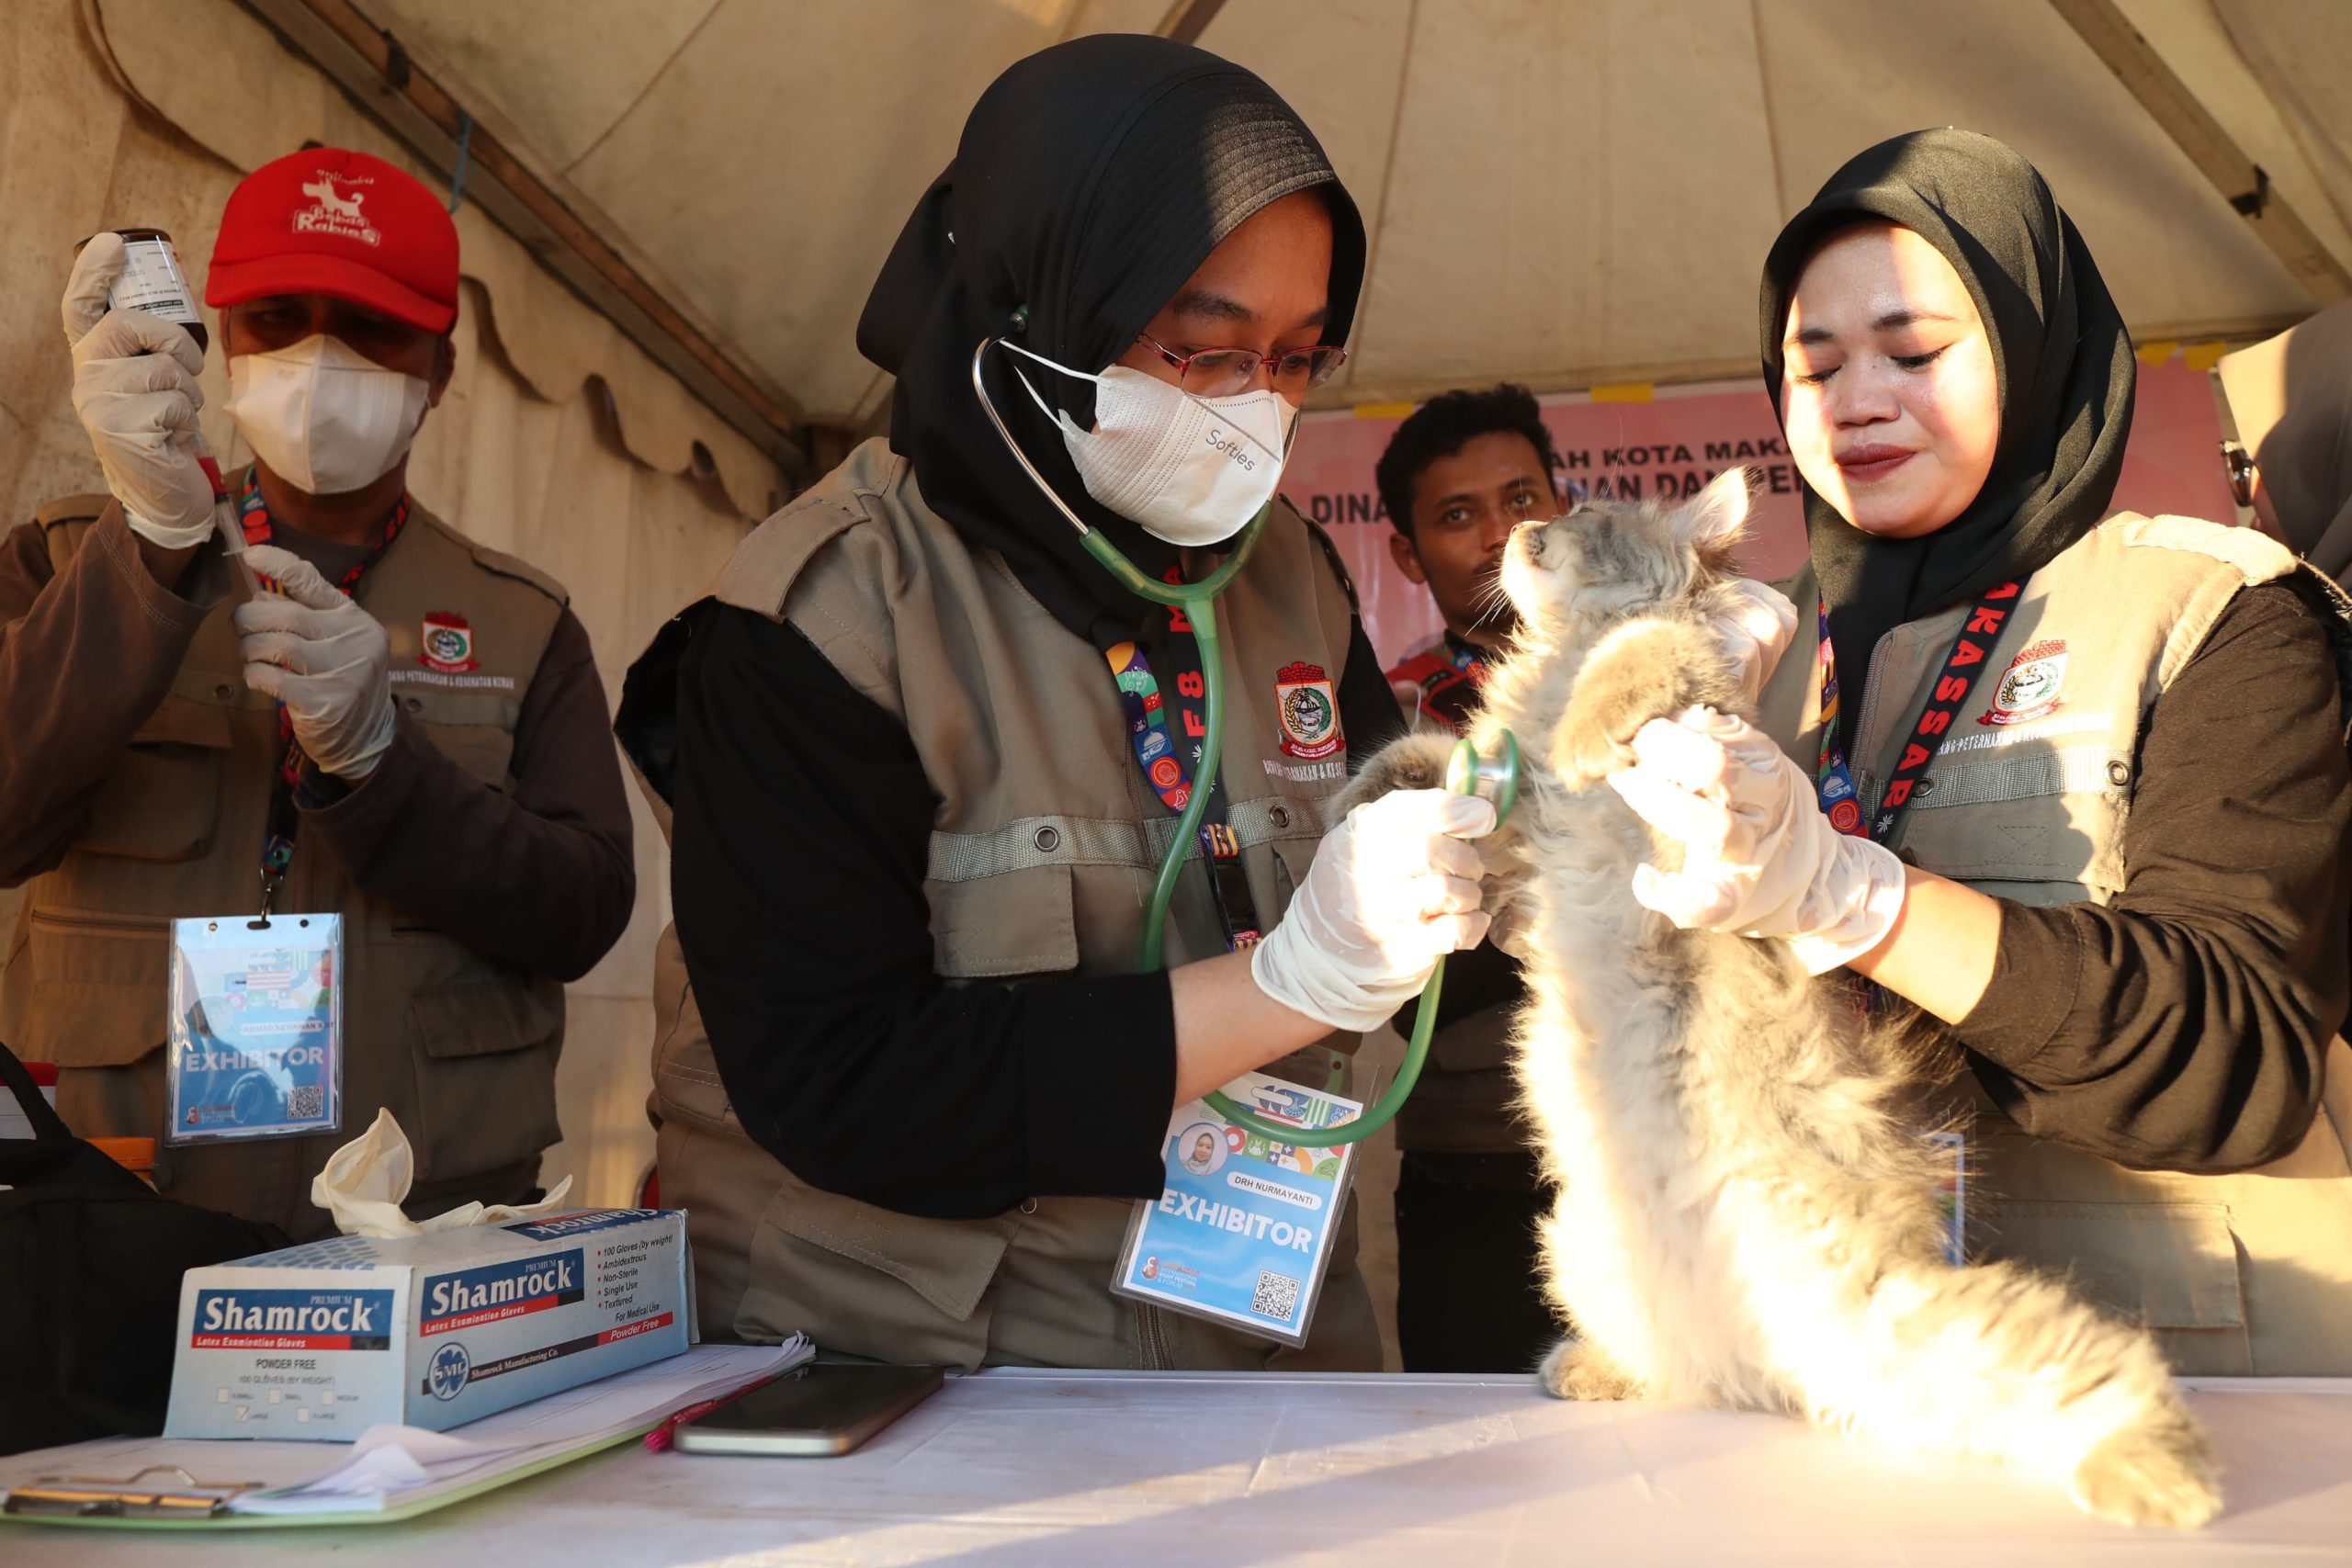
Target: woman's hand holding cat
point(1756, 632)
point(1760, 859)
point(1394, 888)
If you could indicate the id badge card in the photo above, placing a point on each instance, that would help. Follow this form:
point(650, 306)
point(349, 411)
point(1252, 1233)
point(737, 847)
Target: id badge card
point(1242, 1232)
point(1952, 1185)
point(255, 1035)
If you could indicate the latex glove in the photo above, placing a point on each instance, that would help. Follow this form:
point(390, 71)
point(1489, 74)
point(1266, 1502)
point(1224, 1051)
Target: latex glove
point(363, 1183)
point(1757, 633)
point(135, 392)
point(1394, 888)
point(323, 656)
point(1759, 858)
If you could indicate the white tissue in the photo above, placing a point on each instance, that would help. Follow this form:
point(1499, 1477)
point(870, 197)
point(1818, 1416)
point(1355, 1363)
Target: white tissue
point(363, 1181)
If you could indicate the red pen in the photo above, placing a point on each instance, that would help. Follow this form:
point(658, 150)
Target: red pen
point(658, 1439)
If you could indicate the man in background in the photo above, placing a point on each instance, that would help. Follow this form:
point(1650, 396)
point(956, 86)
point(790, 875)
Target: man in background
point(1458, 476)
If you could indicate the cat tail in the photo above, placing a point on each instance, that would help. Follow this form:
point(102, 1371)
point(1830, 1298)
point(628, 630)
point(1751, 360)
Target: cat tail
point(1995, 1359)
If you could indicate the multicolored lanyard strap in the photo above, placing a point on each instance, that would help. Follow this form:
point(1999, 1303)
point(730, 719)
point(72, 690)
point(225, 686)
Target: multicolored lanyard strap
point(1953, 680)
point(285, 818)
point(1168, 763)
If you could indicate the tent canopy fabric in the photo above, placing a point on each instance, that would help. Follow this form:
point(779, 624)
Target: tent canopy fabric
point(1566, 192)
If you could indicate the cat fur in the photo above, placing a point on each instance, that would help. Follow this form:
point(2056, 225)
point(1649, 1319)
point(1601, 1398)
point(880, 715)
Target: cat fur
point(1747, 1213)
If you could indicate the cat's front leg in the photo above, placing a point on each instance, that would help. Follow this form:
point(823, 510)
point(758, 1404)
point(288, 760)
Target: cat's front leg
point(1577, 1369)
point(1416, 761)
point(1641, 671)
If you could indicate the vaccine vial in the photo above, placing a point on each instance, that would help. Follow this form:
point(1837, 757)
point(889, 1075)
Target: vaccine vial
point(152, 281)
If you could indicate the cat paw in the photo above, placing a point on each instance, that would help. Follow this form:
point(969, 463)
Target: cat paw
point(1416, 761)
point(2160, 1473)
point(1575, 1370)
point(1641, 671)
point(1588, 748)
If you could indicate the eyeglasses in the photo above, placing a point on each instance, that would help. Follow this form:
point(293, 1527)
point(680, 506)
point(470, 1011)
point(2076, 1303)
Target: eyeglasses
point(1221, 372)
point(2240, 464)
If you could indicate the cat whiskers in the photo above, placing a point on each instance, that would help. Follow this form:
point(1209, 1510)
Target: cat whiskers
point(1492, 603)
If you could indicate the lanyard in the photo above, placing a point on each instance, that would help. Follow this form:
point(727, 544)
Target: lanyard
point(285, 818)
point(1957, 674)
point(1452, 694)
point(1168, 765)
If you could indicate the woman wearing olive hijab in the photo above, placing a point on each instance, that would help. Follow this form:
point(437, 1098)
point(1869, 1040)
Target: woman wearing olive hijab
point(918, 1086)
point(2071, 780)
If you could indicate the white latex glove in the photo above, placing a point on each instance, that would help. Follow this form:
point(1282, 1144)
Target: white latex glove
point(1760, 859)
point(363, 1182)
point(1393, 889)
point(135, 392)
point(1757, 633)
point(323, 656)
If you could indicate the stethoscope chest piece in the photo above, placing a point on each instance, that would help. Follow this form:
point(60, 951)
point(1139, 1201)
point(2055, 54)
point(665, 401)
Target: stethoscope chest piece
point(1495, 778)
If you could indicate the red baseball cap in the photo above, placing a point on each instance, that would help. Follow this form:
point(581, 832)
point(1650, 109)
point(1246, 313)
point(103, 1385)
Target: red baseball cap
point(344, 224)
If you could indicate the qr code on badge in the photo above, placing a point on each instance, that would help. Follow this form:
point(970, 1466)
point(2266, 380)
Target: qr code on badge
point(1277, 1296)
point(306, 1102)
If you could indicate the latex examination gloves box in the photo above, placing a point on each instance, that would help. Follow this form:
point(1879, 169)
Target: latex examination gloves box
point(326, 1339)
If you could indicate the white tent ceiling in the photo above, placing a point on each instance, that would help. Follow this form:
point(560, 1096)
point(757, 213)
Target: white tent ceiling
point(1562, 191)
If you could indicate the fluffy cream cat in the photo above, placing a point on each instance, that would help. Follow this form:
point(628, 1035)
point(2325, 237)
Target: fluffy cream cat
point(1747, 1210)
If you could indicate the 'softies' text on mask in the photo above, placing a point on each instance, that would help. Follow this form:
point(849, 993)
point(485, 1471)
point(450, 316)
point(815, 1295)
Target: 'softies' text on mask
point(324, 416)
point(1189, 470)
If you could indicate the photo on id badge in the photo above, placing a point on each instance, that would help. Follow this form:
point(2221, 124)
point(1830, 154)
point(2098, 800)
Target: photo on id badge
point(1242, 1232)
point(255, 1031)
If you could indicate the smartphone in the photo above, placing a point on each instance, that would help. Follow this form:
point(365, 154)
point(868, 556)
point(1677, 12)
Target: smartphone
point(825, 1407)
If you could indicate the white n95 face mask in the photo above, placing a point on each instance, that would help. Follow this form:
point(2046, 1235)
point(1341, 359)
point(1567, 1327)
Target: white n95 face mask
point(1189, 470)
point(323, 415)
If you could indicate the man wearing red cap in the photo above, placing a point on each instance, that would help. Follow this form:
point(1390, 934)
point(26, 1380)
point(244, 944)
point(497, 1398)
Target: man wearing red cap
point(405, 728)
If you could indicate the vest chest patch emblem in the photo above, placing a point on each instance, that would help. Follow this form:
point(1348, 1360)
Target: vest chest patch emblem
point(1309, 711)
point(448, 644)
point(2029, 688)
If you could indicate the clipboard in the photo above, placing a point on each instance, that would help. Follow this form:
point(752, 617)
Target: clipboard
point(119, 1508)
point(197, 1483)
point(125, 1496)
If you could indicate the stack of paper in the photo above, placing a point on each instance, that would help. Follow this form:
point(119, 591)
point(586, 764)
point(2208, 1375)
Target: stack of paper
point(407, 1468)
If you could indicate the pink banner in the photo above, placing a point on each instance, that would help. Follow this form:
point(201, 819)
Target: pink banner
point(1674, 443)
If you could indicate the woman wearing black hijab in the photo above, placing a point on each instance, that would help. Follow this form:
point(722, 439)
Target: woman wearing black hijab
point(924, 754)
point(2108, 749)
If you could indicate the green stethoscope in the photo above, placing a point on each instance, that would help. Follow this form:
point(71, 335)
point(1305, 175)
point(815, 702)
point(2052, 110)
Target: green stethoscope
point(1468, 774)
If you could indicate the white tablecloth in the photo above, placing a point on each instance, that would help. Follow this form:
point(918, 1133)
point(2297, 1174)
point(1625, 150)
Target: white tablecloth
point(1018, 1467)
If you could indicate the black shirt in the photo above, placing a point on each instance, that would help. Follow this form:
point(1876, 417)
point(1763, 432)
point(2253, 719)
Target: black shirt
point(2182, 1027)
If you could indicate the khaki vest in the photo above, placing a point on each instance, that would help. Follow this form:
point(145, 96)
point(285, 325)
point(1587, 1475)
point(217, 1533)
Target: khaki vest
point(1044, 847)
point(2247, 1274)
point(461, 1047)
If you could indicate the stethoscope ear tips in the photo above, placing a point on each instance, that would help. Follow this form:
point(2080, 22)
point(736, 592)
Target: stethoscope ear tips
point(1020, 321)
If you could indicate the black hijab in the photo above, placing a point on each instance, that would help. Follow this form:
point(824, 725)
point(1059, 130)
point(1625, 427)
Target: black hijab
point(1092, 179)
point(2061, 354)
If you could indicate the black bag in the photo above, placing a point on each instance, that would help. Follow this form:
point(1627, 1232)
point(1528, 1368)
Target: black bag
point(90, 1266)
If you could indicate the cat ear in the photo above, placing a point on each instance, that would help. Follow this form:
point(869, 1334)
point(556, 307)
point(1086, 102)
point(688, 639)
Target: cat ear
point(1711, 523)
